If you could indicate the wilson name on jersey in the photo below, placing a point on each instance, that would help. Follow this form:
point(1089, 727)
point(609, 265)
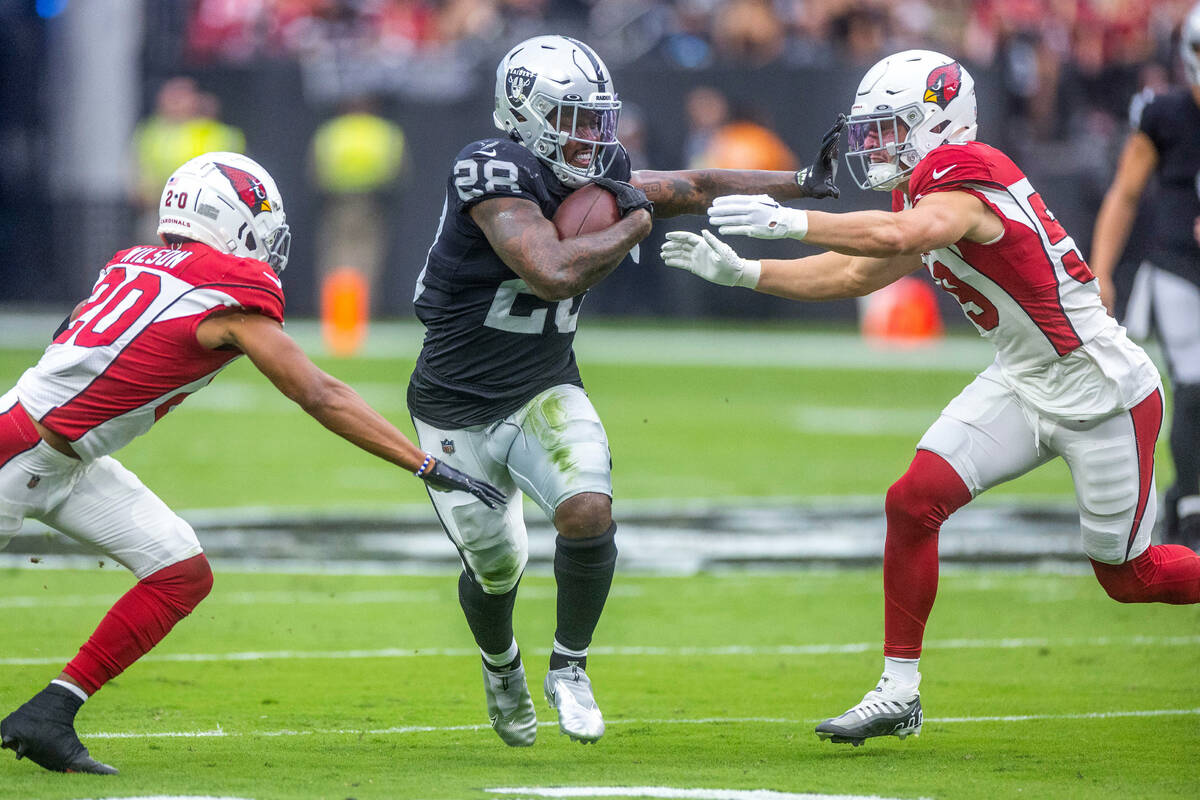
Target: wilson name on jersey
point(490, 343)
point(131, 355)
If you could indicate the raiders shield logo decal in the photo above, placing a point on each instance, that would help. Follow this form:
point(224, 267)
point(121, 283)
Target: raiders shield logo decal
point(517, 84)
point(448, 446)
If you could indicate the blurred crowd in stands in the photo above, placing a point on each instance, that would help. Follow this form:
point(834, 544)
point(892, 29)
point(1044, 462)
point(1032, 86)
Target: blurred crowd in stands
point(1082, 53)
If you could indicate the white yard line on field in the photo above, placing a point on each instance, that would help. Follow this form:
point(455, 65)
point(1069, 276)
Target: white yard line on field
point(220, 732)
point(670, 652)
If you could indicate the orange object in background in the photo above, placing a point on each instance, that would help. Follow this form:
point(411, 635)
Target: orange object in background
point(902, 313)
point(345, 307)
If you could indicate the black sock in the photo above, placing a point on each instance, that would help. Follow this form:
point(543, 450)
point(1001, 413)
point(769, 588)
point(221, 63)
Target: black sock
point(1185, 439)
point(583, 569)
point(489, 615)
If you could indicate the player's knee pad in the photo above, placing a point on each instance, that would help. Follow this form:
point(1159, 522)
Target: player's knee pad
point(926, 495)
point(182, 585)
point(497, 569)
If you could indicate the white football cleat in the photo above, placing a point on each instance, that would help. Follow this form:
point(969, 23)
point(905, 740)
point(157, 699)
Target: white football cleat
point(889, 709)
point(569, 691)
point(510, 706)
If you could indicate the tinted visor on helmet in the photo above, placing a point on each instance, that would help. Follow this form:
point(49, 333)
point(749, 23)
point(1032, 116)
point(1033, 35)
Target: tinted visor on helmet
point(874, 146)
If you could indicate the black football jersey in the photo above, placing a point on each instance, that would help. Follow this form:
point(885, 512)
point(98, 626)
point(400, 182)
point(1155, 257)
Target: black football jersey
point(1172, 121)
point(490, 343)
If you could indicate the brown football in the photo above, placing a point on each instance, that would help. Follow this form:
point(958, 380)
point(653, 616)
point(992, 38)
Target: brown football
point(586, 210)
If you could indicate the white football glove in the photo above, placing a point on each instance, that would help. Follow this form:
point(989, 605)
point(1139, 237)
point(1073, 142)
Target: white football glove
point(710, 258)
point(757, 215)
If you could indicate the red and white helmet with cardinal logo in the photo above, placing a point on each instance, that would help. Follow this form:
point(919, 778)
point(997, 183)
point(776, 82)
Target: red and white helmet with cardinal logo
point(229, 202)
point(906, 105)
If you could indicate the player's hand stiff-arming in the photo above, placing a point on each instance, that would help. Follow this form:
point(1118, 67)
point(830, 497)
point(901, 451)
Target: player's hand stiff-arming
point(819, 178)
point(629, 197)
point(710, 258)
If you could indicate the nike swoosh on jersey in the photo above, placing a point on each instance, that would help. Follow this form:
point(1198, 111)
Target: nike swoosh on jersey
point(937, 173)
point(487, 153)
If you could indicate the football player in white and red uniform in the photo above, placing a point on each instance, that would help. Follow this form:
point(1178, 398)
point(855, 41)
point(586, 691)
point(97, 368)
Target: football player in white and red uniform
point(1065, 381)
point(161, 322)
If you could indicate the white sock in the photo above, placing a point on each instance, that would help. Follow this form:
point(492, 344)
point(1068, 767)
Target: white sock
point(502, 659)
point(72, 688)
point(904, 670)
point(565, 651)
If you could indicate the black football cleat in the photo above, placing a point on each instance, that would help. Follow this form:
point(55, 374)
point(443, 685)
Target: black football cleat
point(43, 730)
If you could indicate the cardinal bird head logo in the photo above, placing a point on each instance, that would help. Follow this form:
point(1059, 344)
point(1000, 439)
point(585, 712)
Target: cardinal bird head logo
point(943, 84)
point(249, 188)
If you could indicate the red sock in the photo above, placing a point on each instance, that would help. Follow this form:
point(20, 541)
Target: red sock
point(916, 507)
point(1165, 573)
point(140, 620)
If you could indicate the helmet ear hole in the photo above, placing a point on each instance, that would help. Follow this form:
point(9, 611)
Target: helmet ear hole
point(251, 243)
point(941, 126)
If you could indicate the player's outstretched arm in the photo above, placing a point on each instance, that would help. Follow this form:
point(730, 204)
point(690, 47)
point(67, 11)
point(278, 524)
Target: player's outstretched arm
point(827, 276)
point(693, 191)
point(1117, 212)
point(331, 402)
point(554, 270)
point(940, 220)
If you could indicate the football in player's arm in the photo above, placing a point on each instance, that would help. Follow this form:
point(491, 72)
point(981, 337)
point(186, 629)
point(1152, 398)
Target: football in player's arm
point(1066, 380)
point(496, 386)
point(161, 323)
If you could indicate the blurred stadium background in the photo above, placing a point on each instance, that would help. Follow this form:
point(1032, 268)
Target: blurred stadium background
point(94, 111)
point(747, 431)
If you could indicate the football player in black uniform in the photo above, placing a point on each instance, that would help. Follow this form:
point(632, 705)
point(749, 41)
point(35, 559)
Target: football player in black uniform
point(1165, 298)
point(496, 390)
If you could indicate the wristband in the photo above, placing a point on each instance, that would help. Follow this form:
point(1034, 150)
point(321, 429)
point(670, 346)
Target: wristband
point(797, 224)
point(424, 465)
point(751, 272)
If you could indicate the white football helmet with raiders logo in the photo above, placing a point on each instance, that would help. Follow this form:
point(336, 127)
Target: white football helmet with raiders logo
point(906, 105)
point(1189, 45)
point(229, 202)
point(554, 90)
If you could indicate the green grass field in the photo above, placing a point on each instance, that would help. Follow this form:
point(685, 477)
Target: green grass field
point(1036, 685)
point(328, 686)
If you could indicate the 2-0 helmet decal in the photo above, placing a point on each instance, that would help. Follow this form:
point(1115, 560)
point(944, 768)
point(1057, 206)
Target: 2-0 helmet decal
point(249, 188)
point(943, 84)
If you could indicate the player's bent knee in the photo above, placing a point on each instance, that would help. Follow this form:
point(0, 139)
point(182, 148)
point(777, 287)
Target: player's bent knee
point(497, 569)
point(584, 516)
point(1120, 581)
point(184, 584)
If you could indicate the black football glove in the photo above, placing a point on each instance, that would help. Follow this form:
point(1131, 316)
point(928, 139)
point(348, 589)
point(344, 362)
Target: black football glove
point(629, 197)
point(445, 478)
point(817, 179)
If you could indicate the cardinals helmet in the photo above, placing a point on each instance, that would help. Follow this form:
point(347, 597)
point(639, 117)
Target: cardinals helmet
point(229, 202)
point(906, 105)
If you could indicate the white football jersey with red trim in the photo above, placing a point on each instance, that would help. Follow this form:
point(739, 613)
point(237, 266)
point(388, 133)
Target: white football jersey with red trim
point(131, 355)
point(1029, 291)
